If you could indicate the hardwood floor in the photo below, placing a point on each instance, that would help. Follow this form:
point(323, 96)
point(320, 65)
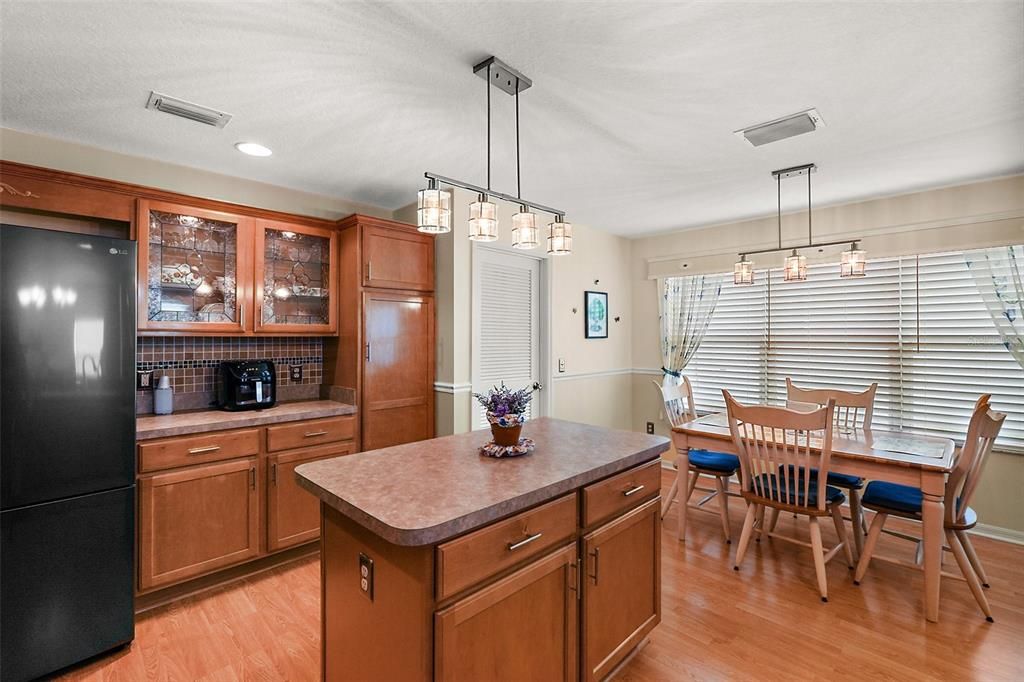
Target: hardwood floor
point(764, 622)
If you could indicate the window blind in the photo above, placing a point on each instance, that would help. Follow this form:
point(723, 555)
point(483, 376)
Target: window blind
point(916, 325)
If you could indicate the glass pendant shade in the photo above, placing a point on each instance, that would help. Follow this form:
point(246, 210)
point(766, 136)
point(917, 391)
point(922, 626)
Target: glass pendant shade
point(853, 262)
point(434, 211)
point(559, 237)
point(524, 229)
point(743, 272)
point(483, 220)
point(795, 269)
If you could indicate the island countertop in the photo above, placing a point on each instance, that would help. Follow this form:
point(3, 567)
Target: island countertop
point(426, 492)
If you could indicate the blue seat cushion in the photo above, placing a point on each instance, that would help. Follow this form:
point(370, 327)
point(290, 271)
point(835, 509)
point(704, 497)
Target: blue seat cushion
point(895, 496)
point(840, 480)
point(796, 491)
point(714, 461)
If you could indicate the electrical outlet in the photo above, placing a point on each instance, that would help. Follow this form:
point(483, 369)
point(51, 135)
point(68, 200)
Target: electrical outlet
point(296, 372)
point(366, 575)
point(650, 427)
point(144, 380)
point(561, 364)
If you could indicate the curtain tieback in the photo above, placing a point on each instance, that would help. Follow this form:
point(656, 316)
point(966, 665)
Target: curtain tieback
point(672, 372)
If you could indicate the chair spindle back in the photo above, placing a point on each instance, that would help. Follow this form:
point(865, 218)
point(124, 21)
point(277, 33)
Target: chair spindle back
point(853, 410)
point(777, 447)
point(963, 480)
point(678, 399)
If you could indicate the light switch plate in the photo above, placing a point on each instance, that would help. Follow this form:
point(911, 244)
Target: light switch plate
point(366, 575)
point(561, 364)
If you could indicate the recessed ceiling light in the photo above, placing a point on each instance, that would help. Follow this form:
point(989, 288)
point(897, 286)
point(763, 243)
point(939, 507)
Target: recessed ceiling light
point(253, 149)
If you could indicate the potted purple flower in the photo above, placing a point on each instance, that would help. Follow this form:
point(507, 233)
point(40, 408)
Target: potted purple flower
point(505, 411)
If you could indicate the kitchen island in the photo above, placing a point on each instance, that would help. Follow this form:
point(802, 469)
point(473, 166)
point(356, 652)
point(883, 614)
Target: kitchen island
point(439, 563)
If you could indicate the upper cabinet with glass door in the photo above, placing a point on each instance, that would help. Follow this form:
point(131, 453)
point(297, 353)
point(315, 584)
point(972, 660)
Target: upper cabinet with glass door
point(295, 279)
point(195, 270)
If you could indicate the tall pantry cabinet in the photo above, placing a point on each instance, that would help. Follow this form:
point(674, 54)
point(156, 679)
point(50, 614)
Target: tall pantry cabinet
point(386, 353)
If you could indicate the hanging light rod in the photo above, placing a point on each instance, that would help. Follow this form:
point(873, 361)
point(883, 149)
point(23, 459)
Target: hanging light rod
point(493, 193)
point(815, 245)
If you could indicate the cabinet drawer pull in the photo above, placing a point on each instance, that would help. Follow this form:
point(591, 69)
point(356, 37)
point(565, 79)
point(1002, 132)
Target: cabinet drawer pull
point(203, 450)
point(631, 491)
point(313, 434)
point(252, 477)
point(273, 474)
point(369, 270)
point(513, 546)
point(597, 555)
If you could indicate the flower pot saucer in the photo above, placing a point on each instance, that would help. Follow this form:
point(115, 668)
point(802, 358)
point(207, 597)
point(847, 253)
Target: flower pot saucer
point(524, 447)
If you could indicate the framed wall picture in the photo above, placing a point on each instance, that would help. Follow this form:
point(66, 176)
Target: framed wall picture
point(595, 305)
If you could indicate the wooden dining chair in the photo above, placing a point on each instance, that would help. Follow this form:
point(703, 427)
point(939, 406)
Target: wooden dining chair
point(721, 466)
point(778, 449)
point(854, 410)
point(893, 499)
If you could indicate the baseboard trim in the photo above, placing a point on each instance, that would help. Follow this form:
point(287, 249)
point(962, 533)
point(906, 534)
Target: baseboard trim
point(1010, 535)
point(1014, 537)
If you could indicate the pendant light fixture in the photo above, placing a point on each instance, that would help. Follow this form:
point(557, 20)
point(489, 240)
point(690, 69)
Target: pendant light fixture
point(795, 266)
point(434, 209)
point(743, 271)
point(483, 220)
point(853, 262)
point(559, 237)
point(434, 205)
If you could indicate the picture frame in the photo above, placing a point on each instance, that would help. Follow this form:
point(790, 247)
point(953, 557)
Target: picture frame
point(595, 314)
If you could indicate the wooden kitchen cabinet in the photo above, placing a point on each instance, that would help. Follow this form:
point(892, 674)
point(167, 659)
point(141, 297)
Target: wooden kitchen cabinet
point(194, 270)
point(621, 587)
point(398, 368)
point(293, 515)
point(397, 258)
point(523, 627)
point(196, 520)
point(295, 279)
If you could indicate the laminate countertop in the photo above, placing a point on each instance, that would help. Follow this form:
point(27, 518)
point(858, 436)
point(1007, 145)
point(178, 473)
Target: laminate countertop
point(430, 491)
point(203, 421)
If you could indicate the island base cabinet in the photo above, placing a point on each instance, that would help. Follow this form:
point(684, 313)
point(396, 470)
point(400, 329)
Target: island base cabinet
point(196, 520)
point(621, 588)
point(523, 627)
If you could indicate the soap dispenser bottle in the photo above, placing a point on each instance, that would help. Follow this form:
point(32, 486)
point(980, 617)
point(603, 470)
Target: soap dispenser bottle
point(163, 396)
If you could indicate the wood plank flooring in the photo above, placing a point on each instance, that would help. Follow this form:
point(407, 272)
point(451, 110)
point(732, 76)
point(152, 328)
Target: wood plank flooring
point(764, 622)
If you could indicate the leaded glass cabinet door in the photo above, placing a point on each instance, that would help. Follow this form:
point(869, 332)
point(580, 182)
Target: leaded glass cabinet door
point(296, 275)
point(198, 270)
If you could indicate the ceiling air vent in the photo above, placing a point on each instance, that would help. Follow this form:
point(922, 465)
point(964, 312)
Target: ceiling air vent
point(781, 128)
point(189, 110)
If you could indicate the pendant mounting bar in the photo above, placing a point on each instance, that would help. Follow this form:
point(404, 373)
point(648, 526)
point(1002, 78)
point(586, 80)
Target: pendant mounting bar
point(801, 247)
point(492, 193)
point(502, 76)
point(795, 171)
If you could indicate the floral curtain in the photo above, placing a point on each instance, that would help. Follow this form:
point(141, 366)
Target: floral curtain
point(999, 275)
point(685, 306)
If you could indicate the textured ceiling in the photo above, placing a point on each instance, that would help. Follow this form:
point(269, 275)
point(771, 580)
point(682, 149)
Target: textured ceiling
point(628, 126)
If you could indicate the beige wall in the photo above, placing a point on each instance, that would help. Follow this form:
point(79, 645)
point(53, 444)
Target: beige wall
point(966, 216)
point(49, 152)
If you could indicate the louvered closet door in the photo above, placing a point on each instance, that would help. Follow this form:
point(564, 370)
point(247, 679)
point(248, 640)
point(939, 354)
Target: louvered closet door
point(506, 339)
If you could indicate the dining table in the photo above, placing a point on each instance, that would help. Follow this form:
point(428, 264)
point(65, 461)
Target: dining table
point(912, 459)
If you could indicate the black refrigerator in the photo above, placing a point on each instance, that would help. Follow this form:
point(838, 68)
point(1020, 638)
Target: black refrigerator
point(67, 441)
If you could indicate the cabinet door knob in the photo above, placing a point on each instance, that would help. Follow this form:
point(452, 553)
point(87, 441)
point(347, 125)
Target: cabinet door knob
point(369, 270)
point(513, 546)
point(273, 473)
point(252, 477)
point(597, 555)
point(367, 352)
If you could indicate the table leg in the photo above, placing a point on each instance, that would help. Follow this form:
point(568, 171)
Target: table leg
point(932, 512)
point(682, 477)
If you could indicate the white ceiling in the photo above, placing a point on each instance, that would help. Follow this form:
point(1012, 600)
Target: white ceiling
point(628, 126)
